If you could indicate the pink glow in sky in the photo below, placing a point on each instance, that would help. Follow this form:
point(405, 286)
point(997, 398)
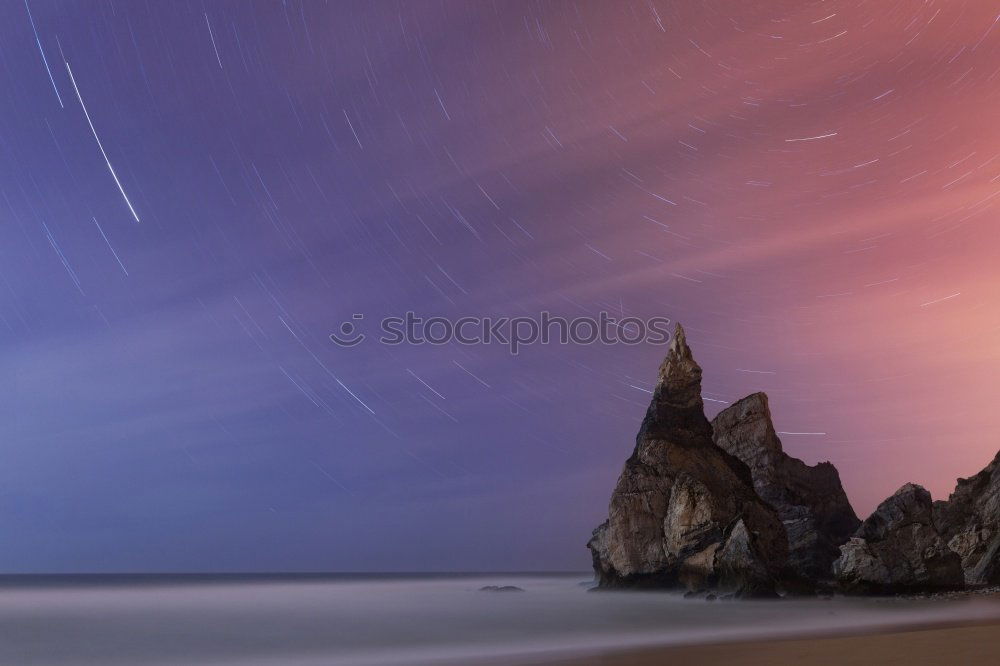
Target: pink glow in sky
point(811, 188)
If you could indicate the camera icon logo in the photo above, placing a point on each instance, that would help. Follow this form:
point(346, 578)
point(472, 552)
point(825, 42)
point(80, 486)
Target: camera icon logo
point(349, 336)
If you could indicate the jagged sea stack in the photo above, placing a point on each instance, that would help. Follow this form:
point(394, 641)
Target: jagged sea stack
point(899, 549)
point(911, 544)
point(970, 522)
point(810, 501)
point(684, 513)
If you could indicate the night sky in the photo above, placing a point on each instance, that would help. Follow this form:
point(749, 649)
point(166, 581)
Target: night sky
point(194, 195)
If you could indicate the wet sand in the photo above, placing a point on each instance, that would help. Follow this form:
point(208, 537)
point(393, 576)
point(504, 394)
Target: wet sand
point(941, 646)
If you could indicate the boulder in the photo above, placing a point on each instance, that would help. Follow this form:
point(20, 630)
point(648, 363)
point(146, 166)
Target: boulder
point(500, 588)
point(684, 513)
point(898, 549)
point(810, 500)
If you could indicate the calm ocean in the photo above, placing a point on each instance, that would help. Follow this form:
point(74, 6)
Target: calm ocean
point(315, 620)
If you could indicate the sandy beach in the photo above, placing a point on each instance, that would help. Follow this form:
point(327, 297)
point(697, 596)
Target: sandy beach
point(966, 645)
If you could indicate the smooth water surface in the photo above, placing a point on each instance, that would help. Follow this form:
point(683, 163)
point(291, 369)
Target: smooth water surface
point(328, 621)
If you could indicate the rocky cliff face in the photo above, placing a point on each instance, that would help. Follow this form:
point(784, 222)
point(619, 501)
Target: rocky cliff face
point(684, 512)
point(970, 522)
point(810, 501)
point(899, 549)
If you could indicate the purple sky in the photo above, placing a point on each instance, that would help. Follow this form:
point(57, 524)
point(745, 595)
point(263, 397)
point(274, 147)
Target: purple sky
point(809, 187)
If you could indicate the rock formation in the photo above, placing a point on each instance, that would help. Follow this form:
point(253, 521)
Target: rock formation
point(899, 549)
point(721, 507)
point(684, 512)
point(810, 501)
point(970, 522)
point(911, 544)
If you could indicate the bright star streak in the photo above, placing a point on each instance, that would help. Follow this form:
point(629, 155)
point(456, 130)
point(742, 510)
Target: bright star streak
point(100, 145)
point(117, 258)
point(45, 61)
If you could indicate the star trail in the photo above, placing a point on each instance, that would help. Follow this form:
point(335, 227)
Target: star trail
point(196, 195)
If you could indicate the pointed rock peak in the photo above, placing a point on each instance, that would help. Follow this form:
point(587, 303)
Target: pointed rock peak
point(756, 401)
point(909, 505)
point(910, 498)
point(911, 489)
point(679, 344)
point(754, 406)
point(977, 483)
point(680, 375)
point(745, 429)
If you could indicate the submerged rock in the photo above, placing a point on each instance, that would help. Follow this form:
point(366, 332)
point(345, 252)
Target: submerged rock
point(898, 549)
point(684, 512)
point(500, 588)
point(810, 501)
